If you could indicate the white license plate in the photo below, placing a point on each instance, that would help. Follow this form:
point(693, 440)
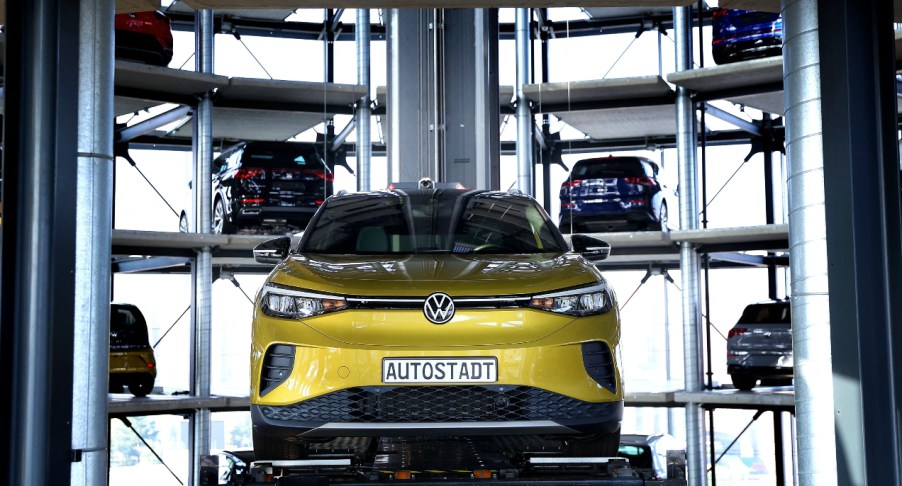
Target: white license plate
point(440, 370)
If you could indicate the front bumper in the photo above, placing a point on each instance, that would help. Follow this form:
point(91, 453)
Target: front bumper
point(426, 410)
point(556, 374)
point(597, 222)
point(274, 216)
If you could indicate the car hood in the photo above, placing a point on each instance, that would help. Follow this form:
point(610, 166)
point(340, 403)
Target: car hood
point(420, 275)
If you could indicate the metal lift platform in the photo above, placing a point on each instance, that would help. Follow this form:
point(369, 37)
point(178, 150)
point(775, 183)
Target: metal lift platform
point(451, 461)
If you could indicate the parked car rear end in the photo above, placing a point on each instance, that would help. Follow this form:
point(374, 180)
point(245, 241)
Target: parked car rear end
point(613, 193)
point(740, 35)
point(132, 361)
point(759, 346)
point(144, 37)
point(266, 186)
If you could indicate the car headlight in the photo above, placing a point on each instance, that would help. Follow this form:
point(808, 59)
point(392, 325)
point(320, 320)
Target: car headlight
point(289, 303)
point(582, 301)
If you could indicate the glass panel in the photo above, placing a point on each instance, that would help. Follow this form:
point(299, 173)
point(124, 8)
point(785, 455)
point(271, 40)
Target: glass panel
point(132, 463)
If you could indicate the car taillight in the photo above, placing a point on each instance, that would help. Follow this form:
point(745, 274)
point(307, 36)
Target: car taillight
point(571, 183)
point(643, 181)
point(252, 200)
point(327, 176)
point(318, 202)
point(248, 173)
point(718, 13)
point(737, 331)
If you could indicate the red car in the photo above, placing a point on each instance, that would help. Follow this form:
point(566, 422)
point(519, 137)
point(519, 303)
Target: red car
point(144, 37)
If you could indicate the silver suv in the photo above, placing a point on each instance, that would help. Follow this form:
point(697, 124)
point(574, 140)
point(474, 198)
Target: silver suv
point(760, 345)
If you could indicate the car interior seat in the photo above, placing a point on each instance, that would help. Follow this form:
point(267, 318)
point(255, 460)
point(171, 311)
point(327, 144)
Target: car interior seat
point(373, 239)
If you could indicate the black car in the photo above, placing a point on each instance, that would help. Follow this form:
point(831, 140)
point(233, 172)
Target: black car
point(268, 186)
point(614, 193)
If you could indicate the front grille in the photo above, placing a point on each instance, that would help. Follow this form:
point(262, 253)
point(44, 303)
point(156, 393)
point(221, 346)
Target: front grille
point(430, 404)
point(277, 366)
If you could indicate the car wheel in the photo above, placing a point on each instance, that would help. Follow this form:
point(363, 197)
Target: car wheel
point(744, 382)
point(183, 223)
point(221, 225)
point(596, 445)
point(141, 386)
point(664, 218)
point(277, 449)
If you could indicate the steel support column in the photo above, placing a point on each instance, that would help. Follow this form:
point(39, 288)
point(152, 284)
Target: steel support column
point(202, 270)
point(364, 113)
point(449, 58)
point(689, 260)
point(807, 243)
point(93, 243)
point(525, 168)
point(411, 94)
point(472, 111)
point(864, 247)
point(38, 281)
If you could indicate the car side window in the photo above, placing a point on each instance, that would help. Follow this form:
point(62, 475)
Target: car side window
point(234, 160)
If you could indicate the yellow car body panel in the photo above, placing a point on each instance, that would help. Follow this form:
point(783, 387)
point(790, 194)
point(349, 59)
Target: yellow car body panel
point(320, 370)
point(414, 275)
point(133, 362)
point(358, 340)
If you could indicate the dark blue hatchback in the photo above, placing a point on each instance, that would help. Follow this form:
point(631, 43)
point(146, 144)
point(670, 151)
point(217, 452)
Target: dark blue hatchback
point(739, 35)
point(611, 194)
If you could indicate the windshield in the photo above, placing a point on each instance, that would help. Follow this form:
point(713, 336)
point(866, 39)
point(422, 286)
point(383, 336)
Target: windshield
point(432, 221)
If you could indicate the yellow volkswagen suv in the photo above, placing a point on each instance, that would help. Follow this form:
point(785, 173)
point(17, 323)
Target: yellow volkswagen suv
point(430, 311)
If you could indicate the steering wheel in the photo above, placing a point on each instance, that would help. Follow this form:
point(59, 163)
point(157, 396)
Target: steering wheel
point(487, 246)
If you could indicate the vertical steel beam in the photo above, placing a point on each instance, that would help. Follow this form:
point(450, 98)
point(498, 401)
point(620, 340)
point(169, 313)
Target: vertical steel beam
point(442, 98)
point(470, 104)
point(525, 169)
point(202, 270)
point(807, 242)
point(329, 45)
point(689, 260)
point(410, 95)
point(546, 119)
point(864, 245)
point(364, 113)
point(40, 158)
point(779, 453)
point(93, 242)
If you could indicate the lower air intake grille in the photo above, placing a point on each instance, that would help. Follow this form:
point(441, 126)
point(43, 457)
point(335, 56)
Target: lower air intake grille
point(277, 366)
point(599, 364)
point(429, 404)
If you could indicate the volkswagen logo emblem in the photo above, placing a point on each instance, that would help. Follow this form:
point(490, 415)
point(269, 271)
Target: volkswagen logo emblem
point(439, 308)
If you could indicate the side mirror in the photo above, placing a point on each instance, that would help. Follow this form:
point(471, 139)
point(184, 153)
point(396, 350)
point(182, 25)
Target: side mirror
point(592, 249)
point(272, 251)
